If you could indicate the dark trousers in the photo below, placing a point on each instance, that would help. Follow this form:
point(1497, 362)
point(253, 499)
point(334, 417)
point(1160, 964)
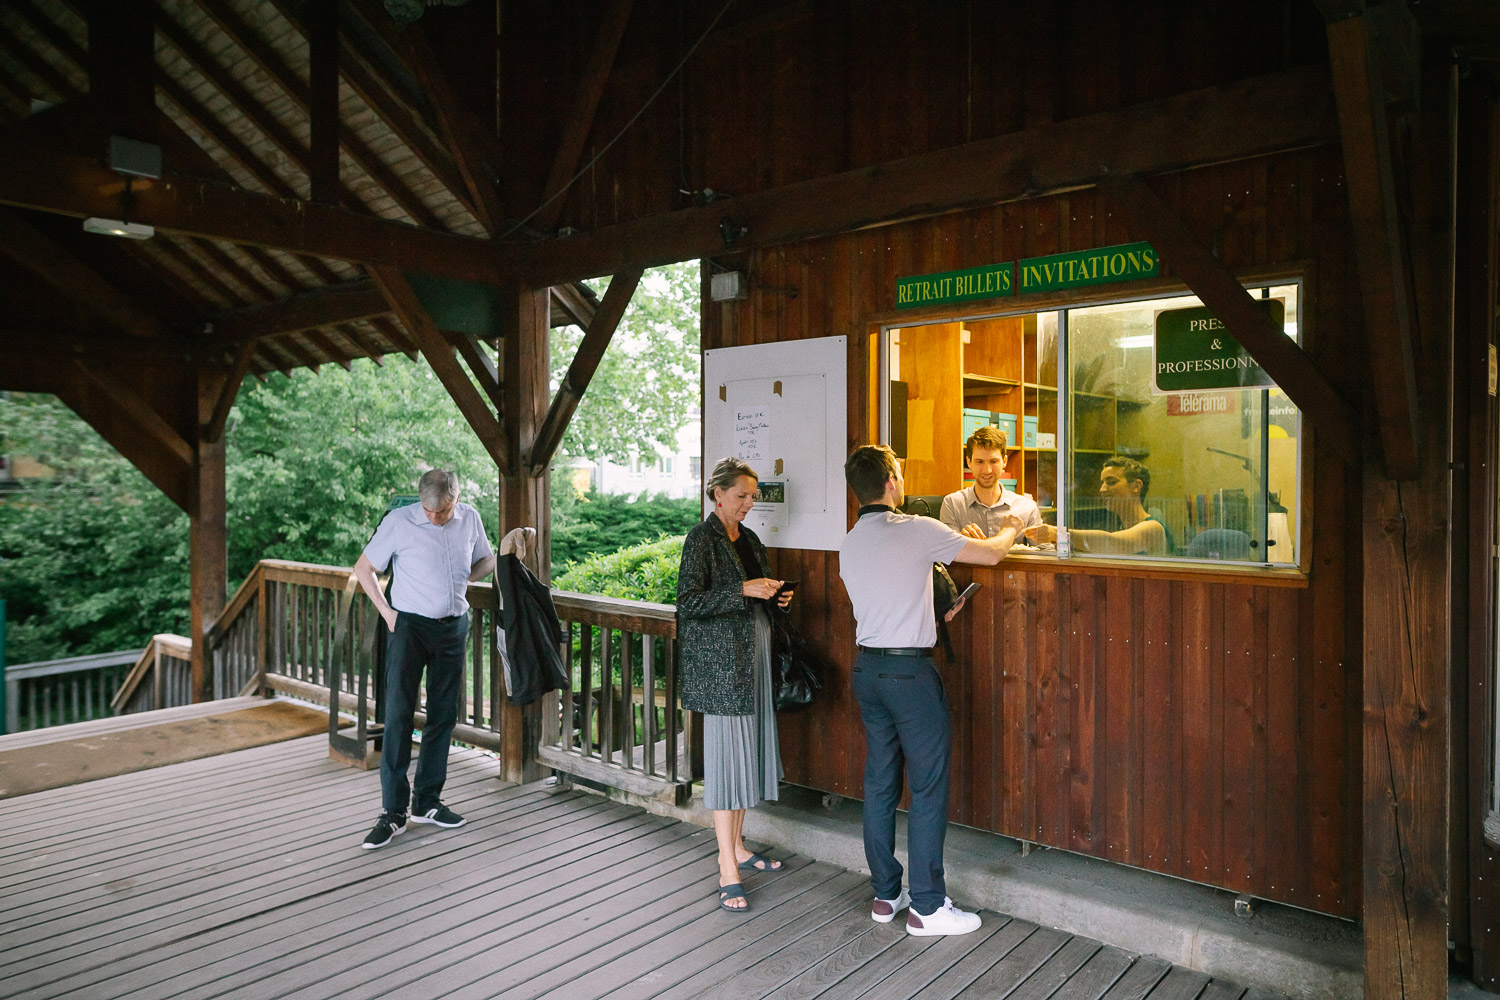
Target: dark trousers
point(438, 646)
point(905, 712)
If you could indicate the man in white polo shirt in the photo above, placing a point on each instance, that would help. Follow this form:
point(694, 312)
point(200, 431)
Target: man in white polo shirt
point(434, 548)
point(976, 510)
point(886, 565)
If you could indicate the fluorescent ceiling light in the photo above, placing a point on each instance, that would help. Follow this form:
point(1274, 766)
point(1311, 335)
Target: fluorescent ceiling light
point(1142, 340)
point(116, 227)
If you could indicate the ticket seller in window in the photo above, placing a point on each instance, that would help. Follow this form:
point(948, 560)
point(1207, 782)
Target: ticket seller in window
point(1123, 485)
point(976, 511)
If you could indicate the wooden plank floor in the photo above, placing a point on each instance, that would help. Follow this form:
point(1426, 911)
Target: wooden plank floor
point(242, 876)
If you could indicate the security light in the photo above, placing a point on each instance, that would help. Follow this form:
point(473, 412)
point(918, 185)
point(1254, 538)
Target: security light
point(119, 227)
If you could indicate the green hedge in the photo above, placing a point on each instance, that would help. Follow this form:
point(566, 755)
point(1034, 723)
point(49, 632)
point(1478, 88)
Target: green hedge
point(642, 572)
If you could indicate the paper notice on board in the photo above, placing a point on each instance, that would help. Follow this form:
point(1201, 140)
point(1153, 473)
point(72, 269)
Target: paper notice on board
point(752, 434)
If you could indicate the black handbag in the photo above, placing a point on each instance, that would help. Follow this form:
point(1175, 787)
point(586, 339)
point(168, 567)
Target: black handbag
point(944, 596)
point(795, 664)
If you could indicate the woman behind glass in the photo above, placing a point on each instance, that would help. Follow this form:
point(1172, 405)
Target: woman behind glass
point(724, 648)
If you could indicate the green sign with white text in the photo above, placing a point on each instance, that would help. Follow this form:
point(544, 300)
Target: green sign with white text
point(954, 286)
point(1194, 351)
point(1088, 267)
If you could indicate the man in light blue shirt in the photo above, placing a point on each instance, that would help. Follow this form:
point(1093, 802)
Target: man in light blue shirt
point(433, 548)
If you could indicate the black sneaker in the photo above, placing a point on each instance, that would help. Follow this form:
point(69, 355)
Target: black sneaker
point(387, 826)
point(438, 815)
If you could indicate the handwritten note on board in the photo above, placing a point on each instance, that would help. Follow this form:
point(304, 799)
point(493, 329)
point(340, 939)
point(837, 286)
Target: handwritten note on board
point(752, 434)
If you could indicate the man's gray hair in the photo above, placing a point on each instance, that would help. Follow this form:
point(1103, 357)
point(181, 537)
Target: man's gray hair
point(437, 488)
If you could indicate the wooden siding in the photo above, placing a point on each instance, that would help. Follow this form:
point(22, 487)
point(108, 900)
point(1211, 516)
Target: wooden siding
point(787, 90)
point(1183, 723)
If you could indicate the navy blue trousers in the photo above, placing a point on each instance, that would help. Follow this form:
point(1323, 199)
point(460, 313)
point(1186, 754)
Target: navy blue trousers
point(905, 712)
point(437, 646)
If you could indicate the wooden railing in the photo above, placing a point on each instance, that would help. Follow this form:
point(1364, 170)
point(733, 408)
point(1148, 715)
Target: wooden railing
point(57, 692)
point(305, 630)
point(161, 678)
point(619, 723)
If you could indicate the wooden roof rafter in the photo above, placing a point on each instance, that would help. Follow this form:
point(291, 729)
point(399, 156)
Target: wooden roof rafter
point(40, 254)
point(1380, 244)
point(276, 68)
point(580, 120)
point(360, 72)
point(470, 142)
point(441, 356)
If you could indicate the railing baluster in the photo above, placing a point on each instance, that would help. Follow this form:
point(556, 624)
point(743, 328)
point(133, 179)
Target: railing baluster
point(671, 712)
point(607, 708)
point(476, 665)
point(566, 700)
point(588, 735)
point(649, 727)
point(627, 698)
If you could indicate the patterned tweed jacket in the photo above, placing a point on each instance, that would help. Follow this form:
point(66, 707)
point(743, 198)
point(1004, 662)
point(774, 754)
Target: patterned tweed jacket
point(715, 622)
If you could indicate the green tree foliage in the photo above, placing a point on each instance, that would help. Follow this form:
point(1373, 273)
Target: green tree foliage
point(313, 460)
point(599, 523)
point(92, 560)
point(96, 559)
point(644, 572)
point(647, 382)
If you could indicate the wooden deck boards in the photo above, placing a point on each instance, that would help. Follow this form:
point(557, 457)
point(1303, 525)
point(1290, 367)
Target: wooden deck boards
point(242, 876)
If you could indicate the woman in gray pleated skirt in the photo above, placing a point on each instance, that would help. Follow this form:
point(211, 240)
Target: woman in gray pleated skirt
point(724, 653)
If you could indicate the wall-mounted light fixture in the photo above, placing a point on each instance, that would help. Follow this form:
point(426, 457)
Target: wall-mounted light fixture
point(728, 286)
point(130, 158)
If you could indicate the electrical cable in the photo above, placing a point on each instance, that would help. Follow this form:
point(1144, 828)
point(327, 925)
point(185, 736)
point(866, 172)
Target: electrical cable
point(634, 118)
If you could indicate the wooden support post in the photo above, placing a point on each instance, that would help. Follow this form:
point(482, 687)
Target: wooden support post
point(208, 535)
point(1408, 610)
point(525, 499)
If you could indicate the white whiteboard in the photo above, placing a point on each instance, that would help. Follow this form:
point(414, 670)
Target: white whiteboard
point(783, 408)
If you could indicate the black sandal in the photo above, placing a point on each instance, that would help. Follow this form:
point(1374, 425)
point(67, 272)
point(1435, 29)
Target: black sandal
point(733, 891)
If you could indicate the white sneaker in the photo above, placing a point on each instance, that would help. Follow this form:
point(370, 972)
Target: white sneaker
point(946, 919)
point(885, 910)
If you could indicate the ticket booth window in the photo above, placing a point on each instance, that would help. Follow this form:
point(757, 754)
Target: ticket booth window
point(1137, 426)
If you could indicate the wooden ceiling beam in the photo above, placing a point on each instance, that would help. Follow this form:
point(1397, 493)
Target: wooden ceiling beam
point(130, 403)
point(214, 429)
point(1294, 372)
point(1380, 248)
point(356, 336)
point(233, 146)
point(573, 306)
point(465, 136)
point(121, 60)
point(34, 250)
point(1247, 118)
point(580, 121)
point(81, 186)
point(323, 99)
point(49, 75)
point(581, 369)
point(324, 343)
point(481, 365)
point(278, 71)
point(392, 331)
point(440, 355)
point(179, 255)
point(158, 455)
point(307, 310)
point(235, 92)
point(385, 101)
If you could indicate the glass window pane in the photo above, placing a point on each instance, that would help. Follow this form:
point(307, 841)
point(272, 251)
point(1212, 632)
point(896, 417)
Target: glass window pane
point(1203, 474)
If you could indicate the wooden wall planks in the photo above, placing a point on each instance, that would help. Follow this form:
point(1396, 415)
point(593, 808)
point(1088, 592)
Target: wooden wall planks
point(1198, 728)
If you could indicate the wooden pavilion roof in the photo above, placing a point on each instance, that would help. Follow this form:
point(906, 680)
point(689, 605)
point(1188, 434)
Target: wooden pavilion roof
point(234, 105)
